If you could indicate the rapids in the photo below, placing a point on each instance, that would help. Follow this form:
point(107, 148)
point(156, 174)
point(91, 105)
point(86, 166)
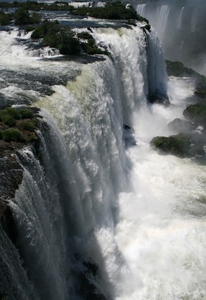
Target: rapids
point(90, 201)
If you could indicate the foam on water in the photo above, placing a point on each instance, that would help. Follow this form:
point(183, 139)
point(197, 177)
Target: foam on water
point(161, 231)
point(138, 215)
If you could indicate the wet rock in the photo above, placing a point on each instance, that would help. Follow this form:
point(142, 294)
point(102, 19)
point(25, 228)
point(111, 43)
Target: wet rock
point(179, 125)
point(175, 144)
point(196, 113)
point(128, 137)
point(158, 98)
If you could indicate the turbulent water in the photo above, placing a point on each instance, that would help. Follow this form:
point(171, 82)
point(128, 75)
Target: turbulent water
point(99, 196)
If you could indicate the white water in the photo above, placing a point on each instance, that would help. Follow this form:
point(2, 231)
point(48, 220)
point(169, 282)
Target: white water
point(162, 17)
point(138, 215)
point(162, 221)
point(179, 23)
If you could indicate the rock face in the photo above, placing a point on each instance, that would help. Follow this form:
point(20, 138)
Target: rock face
point(196, 113)
point(175, 144)
point(12, 121)
point(191, 138)
point(11, 172)
point(183, 126)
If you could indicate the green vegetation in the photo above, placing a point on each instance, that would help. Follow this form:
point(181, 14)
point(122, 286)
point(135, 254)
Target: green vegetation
point(57, 36)
point(91, 48)
point(25, 113)
point(23, 17)
point(5, 19)
point(112, 10)
point(20, 17)
point(179, 70)
point(175, 144)
point(84, 35)
point(9, 116)
point(27, 125)
point(18, 125)
point(36, 6)
point(196, 113)
point(65, 40)
point(12, 135)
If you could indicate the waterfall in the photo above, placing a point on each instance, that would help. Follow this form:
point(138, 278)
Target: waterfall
point(162, 17)
point(99, 213)
point(141, 9)
point(180, 26)
point(194, 21)
point(66, 208)
point(179, 23)
point(157, 77)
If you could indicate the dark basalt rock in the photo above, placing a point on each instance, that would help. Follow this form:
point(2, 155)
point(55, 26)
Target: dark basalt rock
point(128, 137)
point(175, 144)
point(86, 277)
point(25, 122)
point(181, 145)
point(196, 113)
point(183, 126)
point(157, 98)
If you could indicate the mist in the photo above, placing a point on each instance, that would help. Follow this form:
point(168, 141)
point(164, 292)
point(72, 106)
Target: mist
point(180, 25)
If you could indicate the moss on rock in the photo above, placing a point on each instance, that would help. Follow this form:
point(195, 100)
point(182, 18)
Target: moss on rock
point(196, 113)
point(176, 144)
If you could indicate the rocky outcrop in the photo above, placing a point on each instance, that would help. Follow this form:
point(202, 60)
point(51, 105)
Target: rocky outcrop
point(176, 144)
point(178, 125)
point(191, 138)
point(17, 130)
point(196, 113)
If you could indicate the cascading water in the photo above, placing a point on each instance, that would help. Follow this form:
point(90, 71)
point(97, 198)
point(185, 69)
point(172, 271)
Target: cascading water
point(180, 17)
point(162, 17)
point(180, 26)
point(67, 210)
point(97, 219)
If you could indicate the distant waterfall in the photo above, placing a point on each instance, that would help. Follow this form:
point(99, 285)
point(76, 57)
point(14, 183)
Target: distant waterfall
point(180, 26)
point(194, 21)
point(180, 17)
point(162, 17)
point(141, 8)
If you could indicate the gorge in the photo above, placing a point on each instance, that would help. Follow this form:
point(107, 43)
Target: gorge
point(99, 213)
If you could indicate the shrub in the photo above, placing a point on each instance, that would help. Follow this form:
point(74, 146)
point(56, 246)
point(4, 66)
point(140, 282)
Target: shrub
point(84, 35)
point(47, 28)
point(112, 10)
point(91, 48)
point(1, 134)
point(22, 17)
point(57, 36)
point(26, 113)
point(27, 125)
point(29, 28)
point(174, 144)
point(31, 137)
point(177, 69)
point(8, 120)
point(13, 112)
point(196, 112)
point(9, 115)
point(4, 18)
point(12, 135)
